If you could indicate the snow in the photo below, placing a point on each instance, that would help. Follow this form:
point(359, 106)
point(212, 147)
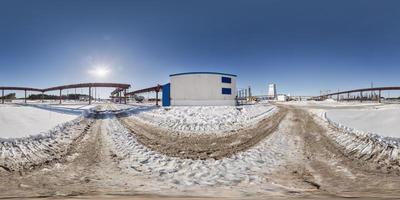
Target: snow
point(362, 145)
point(365, 131)
point(248, 166)
point(366, 128)
point(20, 120)
point(19, 153)
point(329, 103)
point(383, 120)
point(203, 119)
point(17, 120)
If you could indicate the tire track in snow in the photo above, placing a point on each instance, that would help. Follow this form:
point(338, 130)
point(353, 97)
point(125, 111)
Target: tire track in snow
point(382, 153)
point(250, 166)
point(195, 146)
point(297, 159)
point(32, 152)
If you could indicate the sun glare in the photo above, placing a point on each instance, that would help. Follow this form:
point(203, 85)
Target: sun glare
point(99, 72)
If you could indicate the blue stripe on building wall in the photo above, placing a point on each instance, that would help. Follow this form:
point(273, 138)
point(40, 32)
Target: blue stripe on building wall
point(166, 97)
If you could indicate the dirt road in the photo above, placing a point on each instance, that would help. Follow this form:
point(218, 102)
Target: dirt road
point(313, 165)
point(202, 146)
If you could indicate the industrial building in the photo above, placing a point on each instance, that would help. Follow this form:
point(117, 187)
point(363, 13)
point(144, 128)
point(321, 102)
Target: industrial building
point(282, 97)
point(200, 89)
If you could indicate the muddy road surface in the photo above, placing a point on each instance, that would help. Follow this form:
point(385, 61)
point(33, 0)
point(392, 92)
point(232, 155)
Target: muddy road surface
point(202, 146)
point(92, 166)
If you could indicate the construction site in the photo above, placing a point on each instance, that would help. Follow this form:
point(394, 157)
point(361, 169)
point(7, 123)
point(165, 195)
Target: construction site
point(315, 147)
point(229, 100)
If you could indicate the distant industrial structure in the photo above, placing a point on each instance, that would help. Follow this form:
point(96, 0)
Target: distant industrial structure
point(135, 95)
point(200, 89)
point(90, 86)
point(364, 94)
point(244, 93)
point(282, 97)
point(272, 92)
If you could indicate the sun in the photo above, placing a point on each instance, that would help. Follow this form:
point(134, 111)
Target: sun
point(100, 72)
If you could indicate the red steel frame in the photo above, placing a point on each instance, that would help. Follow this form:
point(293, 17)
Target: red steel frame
point(63, 87)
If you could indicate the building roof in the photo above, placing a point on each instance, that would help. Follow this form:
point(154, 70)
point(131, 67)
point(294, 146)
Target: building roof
point(190, 73)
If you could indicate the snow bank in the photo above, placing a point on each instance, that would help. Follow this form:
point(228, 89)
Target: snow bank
point(203, 119)
point(382, 121)
point(329, 101)
point(23, 153)
point(385, 151)
point(21, 121)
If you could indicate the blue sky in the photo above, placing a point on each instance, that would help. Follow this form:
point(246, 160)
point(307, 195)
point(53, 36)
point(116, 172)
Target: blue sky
point(302, 46)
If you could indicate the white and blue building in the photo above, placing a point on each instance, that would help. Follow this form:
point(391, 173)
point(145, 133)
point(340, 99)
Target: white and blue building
point(200, 89)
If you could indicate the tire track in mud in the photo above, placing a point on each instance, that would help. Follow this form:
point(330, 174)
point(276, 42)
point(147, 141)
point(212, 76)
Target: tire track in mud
point(32, 153)
point(382, 153)
point(87, 166)
point(328, 169)
point(320, 167)
point(202, 146)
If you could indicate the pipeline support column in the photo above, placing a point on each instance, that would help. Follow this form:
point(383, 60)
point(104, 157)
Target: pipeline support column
point(157, 98)
point(379, 97)
point(125, 95)
point(90, 95)
point(60, 96)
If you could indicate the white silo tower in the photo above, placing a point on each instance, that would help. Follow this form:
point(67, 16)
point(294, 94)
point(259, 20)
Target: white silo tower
point(272, 91)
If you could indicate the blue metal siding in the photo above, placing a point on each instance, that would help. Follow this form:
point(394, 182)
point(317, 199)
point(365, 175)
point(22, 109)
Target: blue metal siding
point(166, 97)
point(226, 91)
point(226, 79)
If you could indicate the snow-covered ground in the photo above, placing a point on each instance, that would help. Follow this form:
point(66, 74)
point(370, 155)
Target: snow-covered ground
point(249, 166)
point(328, 103)
point(202, 119)
point(18, 120)
point(382, 120)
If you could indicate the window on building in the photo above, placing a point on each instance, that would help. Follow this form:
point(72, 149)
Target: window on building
point(226, 80)
point(226, 91)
